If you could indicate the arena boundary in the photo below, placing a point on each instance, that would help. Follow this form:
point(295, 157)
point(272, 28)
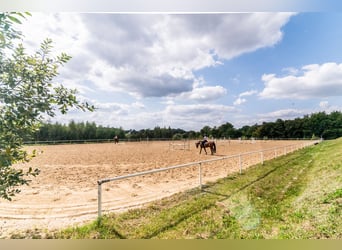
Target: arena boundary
point(180, 145)
point(277, 151)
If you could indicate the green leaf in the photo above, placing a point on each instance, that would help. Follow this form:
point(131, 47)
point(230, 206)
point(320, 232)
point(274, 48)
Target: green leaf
point(14, 19)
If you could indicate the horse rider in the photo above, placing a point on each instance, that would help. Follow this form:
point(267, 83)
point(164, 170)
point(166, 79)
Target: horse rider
point(116, 139)
point(205, 139)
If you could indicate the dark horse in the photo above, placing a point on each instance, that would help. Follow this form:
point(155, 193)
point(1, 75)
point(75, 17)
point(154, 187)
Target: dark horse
point(208, 144)
point(116, 140)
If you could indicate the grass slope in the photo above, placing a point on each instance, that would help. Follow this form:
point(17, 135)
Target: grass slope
point(297, 196)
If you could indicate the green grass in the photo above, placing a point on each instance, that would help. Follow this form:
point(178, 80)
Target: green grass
point(297, 196)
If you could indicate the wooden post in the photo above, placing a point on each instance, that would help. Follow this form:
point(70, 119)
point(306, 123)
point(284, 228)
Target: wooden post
point(262, 157)
point(99, 197)
point(240, 163)
point(200, 175)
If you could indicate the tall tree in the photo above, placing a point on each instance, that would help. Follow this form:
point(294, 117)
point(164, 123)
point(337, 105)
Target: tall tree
point(206, 130)
point(226, 130)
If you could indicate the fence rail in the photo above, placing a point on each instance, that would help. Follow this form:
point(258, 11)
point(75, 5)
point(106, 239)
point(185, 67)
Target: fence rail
point(84, 141)
point(283, 151)
point(53, 142)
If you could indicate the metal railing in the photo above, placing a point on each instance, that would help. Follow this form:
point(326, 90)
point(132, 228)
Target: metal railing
point(85, 141)
point(285, 150)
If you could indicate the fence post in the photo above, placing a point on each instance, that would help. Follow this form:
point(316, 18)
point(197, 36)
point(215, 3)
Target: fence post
point(262, 157)
point(200, 175)
point(99, 199)
point(240, 163)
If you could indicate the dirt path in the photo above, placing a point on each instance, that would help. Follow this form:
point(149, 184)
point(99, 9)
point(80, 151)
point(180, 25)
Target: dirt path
point(65, 192)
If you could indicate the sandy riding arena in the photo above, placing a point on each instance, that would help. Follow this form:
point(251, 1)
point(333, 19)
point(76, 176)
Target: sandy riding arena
point(66, 191)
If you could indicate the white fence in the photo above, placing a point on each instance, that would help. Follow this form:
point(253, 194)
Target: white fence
point(180, 145)
point(143, 140)
point(275, 152)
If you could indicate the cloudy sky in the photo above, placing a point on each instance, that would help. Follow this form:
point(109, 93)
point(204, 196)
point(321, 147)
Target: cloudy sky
point(192, 70)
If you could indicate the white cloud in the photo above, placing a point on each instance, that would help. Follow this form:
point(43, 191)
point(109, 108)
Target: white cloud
point(136, 116)
point(291, 70)
point(248, 93)
point(282, 114)
point(201, 115)
point(315, 81)
point(241, 100)
point(151, 55)
point(324, 104)
point(68, 32)
point(327, 107)
point(138, 105)
point(205, 94)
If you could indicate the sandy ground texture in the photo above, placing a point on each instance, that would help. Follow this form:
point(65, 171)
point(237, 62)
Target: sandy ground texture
point(65, 193)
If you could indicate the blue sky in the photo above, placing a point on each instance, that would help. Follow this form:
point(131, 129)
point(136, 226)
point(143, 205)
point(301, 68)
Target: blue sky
point(192, 70)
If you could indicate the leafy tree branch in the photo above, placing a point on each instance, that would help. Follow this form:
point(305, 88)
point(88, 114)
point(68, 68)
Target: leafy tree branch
point(26, 95)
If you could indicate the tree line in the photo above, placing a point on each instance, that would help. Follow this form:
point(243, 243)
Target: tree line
point(91, 131)
point(317, 125)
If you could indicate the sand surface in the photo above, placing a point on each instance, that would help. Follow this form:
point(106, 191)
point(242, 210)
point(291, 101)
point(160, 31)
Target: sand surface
point(65, 193)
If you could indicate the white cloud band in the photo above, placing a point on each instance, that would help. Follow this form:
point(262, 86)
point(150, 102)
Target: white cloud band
point(315, 81)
